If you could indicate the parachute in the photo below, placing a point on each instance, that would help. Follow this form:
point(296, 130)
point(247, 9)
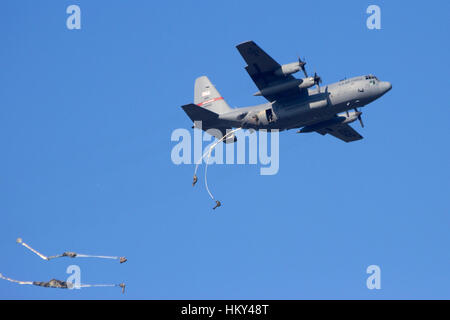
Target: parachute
point(54, 283)
point(208, 154)
point(68, 254)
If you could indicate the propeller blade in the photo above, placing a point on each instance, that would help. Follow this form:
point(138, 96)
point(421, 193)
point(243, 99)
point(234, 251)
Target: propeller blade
point(359, 118)
point(302, 66)
point(317, 80)
point(360, 121)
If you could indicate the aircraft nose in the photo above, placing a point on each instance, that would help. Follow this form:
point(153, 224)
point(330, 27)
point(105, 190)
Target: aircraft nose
point(386, 86)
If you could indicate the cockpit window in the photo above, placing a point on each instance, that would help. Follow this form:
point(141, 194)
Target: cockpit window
point(369, 77)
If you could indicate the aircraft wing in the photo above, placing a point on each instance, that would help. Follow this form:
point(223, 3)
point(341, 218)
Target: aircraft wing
point(261, 68)
point(342, 131)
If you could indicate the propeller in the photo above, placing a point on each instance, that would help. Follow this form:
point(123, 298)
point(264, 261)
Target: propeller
point(317, 80)
point(359, 118)
point(302, 66)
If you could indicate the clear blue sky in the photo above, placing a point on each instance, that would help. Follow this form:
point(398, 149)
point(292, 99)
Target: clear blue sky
point(85, 124)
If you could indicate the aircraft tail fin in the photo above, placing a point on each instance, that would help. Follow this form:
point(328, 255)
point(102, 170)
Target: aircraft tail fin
point(207, 96)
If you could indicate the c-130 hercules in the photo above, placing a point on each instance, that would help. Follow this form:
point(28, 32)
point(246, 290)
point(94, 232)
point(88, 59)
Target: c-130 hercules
point(293, 103)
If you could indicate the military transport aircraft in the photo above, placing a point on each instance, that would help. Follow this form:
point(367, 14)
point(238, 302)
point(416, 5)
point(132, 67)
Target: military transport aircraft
point(293, 103)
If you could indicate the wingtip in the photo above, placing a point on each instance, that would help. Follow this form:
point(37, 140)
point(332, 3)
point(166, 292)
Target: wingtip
point(244, 43)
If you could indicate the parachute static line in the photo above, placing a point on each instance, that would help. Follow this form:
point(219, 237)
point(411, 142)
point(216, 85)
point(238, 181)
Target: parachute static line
point(218, 204)
point(61, 284)
point(69, 254)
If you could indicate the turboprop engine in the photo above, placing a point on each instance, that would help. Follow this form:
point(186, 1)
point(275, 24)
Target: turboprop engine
point(287, 69)
point(290, 68)
point(299, 83)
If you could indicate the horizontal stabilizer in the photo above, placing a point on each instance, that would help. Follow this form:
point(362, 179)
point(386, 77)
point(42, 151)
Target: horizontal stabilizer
point(197, 113)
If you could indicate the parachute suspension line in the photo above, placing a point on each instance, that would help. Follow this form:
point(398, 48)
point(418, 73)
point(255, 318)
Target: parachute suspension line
point(93, 256)
point(121, 285)
point(20, 241)
point(15, 281)
point(206, 179)
point(121, 259)
point(97, 285)
point(200, 161)
point(218, 204)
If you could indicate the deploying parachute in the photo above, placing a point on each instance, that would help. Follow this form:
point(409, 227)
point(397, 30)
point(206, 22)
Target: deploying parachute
point(208, 153)
point(68, 254)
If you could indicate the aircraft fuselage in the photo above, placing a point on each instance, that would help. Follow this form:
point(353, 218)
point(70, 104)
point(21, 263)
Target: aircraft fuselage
point(312, 108)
